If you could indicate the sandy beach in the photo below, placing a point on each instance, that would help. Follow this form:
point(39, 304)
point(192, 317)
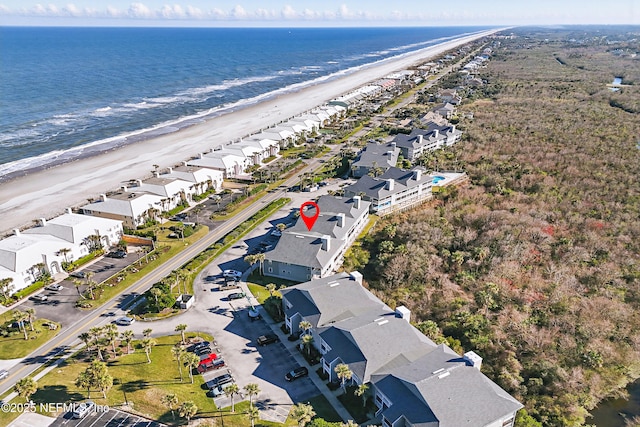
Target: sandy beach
point(47, 193)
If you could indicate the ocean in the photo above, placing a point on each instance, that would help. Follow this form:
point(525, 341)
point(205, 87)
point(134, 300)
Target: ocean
point(67, 92)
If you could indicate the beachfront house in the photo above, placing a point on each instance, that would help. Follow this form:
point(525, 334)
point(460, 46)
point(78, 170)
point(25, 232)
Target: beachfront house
point(173, 190)
point(285, 137)
point(395, 190)
point(230, 164)
point(301, 254)
point(412, 380)
point(446, 110)
point(131, 207)
point(357, 97)
point(46, 247)
point(375, 159)
point(201, 179)
point(268, 147)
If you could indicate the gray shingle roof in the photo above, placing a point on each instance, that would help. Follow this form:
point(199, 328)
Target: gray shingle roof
point(375, 188)
point(299, 246)
point(376, 154)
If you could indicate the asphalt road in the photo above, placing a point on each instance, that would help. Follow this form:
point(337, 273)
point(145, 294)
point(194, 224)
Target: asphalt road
point(68, 337)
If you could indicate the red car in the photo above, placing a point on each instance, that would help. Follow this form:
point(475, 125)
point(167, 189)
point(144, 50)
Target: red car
point(209, 359)
point(216, 364)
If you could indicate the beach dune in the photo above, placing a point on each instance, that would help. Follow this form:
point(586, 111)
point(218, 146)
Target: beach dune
point(46, 193)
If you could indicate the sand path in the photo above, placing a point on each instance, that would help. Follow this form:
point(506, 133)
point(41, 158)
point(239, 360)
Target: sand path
point(47, 193)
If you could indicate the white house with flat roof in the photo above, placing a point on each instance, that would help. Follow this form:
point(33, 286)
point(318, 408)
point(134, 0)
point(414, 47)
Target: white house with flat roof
point(131, 207)
point(52, 242)
point(202, 179)
point(172, 189)
point(230, 164)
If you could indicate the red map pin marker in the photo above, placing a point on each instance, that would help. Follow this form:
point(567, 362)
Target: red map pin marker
point(309, 220)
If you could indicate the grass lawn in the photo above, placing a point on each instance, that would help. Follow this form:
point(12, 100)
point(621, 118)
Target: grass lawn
point(172, 248)
point(143, 384)
point(323, 409)
point(353, 404)
point(260, 292)
point(257, 278)
point(224, 417)
point(14, 345)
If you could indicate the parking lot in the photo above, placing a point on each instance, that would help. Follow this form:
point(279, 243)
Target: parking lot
point(60, 306)
point(111, 418)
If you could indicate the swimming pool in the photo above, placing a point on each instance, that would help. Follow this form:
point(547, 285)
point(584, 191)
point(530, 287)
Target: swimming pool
point(437, 179)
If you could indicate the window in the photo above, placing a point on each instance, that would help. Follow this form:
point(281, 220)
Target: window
point(508, 423)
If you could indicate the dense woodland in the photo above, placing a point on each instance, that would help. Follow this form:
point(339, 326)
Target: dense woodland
point(535, 264)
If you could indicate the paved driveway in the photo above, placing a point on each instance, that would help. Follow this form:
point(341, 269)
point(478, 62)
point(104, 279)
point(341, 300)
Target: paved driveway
point(60, 305)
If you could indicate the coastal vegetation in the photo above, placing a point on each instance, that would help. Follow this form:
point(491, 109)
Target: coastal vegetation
point(534, 265)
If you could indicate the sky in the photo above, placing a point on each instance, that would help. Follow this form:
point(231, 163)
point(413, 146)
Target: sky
point(218, 13)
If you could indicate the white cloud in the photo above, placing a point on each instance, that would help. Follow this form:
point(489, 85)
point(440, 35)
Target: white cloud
point(238, 12)
point(139, 10)
point(289, 12)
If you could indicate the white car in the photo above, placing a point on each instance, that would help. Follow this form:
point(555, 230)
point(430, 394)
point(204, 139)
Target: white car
point(232, 274)
point(83, 409)
point(3, 374)
point(125, 321)
point(54, 287)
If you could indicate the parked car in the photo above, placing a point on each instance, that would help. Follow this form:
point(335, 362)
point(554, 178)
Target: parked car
point(54, 287)
point(173, 236)
point(39, 298)
point(276, 233)
point(216, 364)
point(125, 321)
point(117, 254)
point(3, 374)
point(219, 391)
point(203, 350)
point(78, 274)
point(254, 314)
point(83, 409)
point(298, 372)
point(232, 274)
point(236, 295)
point(267, 339)
point(207, 357)
point(219, 380)
point(229, 285)
point(202, 344)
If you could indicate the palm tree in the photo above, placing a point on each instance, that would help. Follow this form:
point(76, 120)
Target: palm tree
point(147, 332)
point(96, 334)
point(260, 258)
point(187, 410)
point(192, 360)
point(84, 381)
point(127, 337)
point(230, 392)
point(305, 326)
point(344, 373)
point(147, 344)
point(181, 328)
point(85, 338)
point(253, 415)
point(170, 400)
point(302, 413)
point(104, 383)
point(251, 259)
point(64, 252)
point(181, 277)
point(111, 332)
point(178, 353)
point(280, 226)
point(20, 317)
point(156, 293)
point(26, 387)
point(307, 340)
point(78, 283)
point(90, 283)
point(349, 423)
point(6, 287)
point(271, 287)
point(362, 392)
point(252, 390)
point(31, 315)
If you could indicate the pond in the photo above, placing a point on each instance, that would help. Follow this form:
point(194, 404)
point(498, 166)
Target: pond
point(614, 412)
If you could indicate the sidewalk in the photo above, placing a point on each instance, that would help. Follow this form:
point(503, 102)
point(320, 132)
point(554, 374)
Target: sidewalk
point(331, 396)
